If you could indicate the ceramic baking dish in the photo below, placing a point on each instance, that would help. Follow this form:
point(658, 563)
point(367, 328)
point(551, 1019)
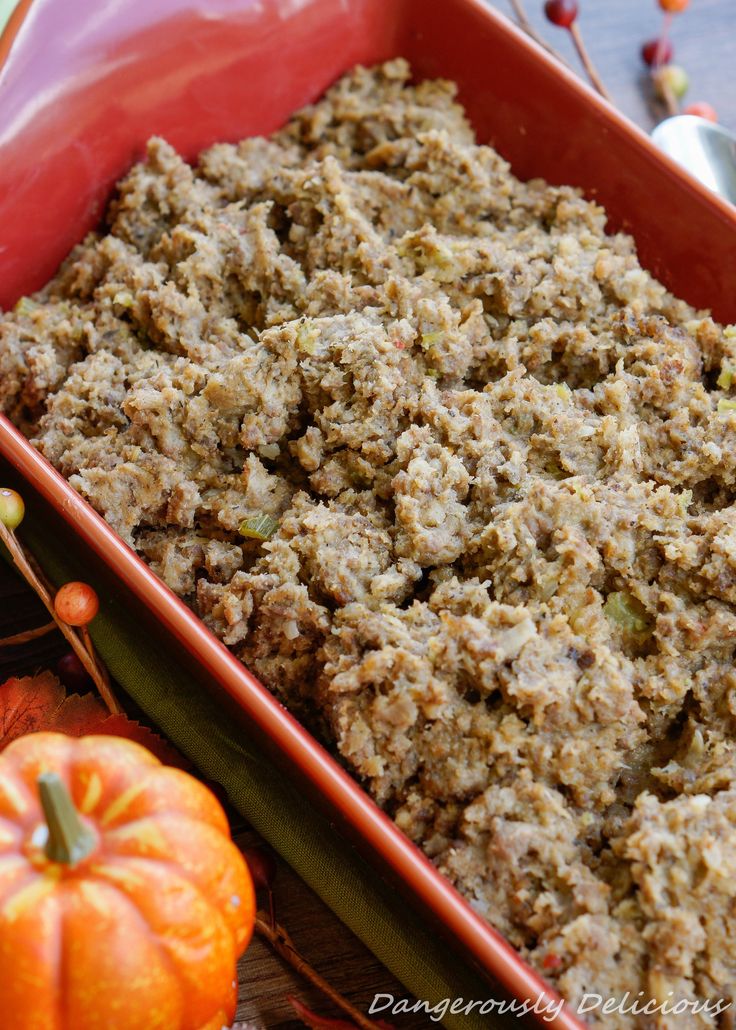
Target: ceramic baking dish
point(84, 84)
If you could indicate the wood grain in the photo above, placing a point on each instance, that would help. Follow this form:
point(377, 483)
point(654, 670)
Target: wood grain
point(327, 944)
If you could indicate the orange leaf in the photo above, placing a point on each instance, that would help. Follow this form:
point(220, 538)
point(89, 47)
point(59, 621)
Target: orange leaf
point(79, 716)
point(36, 703)
point(28, 705)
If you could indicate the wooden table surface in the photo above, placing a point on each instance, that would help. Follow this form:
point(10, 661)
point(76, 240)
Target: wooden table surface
point(613, 30)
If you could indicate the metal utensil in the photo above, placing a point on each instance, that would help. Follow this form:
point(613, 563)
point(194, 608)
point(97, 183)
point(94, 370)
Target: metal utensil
point(708, 151)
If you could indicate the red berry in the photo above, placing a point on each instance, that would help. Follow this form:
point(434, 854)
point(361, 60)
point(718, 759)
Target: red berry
point(701, 110)
point(76, 604)
point(656, 52)
point(73, 674)
point(12, 508)
point(673, 6)
point(262, 866)
point(561, 12)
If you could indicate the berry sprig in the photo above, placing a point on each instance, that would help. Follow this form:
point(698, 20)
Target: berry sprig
point(671, 83)
point(72, 607)
point(524, 23)
point(28, 635)
point(670, 80)
point(564, 14)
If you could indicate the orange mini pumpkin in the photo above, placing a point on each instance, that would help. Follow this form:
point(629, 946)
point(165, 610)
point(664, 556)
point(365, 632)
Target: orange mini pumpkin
point(124, 905)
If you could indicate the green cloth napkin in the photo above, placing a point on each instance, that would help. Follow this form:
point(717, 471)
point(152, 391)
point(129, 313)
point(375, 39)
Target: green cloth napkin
point(173, 699)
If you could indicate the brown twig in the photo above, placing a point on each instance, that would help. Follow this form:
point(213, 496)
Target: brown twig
point(668, 97)
point(590, 69)
point(271, 909)
point(283, 945)
point(666, 29)
point(28, 635)
point(526, 26)
point(104, 675)
point(665, 92)
point(25, 565)
point(38, 571)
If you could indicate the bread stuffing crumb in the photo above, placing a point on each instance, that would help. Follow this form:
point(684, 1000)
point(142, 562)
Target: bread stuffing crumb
point(455, 477)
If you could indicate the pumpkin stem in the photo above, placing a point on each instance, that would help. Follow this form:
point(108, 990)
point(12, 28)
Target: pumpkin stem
point(69, 839)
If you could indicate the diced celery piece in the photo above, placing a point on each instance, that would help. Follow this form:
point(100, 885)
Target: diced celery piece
point(430, 339)
point(25, 307)
point(260, 527)
point(307, 336)
point(726, 377)
point(627, 611)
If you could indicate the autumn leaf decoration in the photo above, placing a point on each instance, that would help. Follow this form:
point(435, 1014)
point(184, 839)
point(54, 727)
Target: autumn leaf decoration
point(34, 703)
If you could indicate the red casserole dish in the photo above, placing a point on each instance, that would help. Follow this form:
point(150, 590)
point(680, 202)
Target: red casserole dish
point(82, 87)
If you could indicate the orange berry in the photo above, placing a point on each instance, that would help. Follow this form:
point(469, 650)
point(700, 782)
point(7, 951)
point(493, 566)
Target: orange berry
point(701, 110)
point(12, 508)
point(76, 604)
point(674, 6)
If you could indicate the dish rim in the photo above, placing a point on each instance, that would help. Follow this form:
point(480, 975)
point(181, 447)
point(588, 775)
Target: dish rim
point(342, 792)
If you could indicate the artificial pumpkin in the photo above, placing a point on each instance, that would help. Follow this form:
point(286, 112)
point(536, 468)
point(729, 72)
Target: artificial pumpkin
point(124, 905)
